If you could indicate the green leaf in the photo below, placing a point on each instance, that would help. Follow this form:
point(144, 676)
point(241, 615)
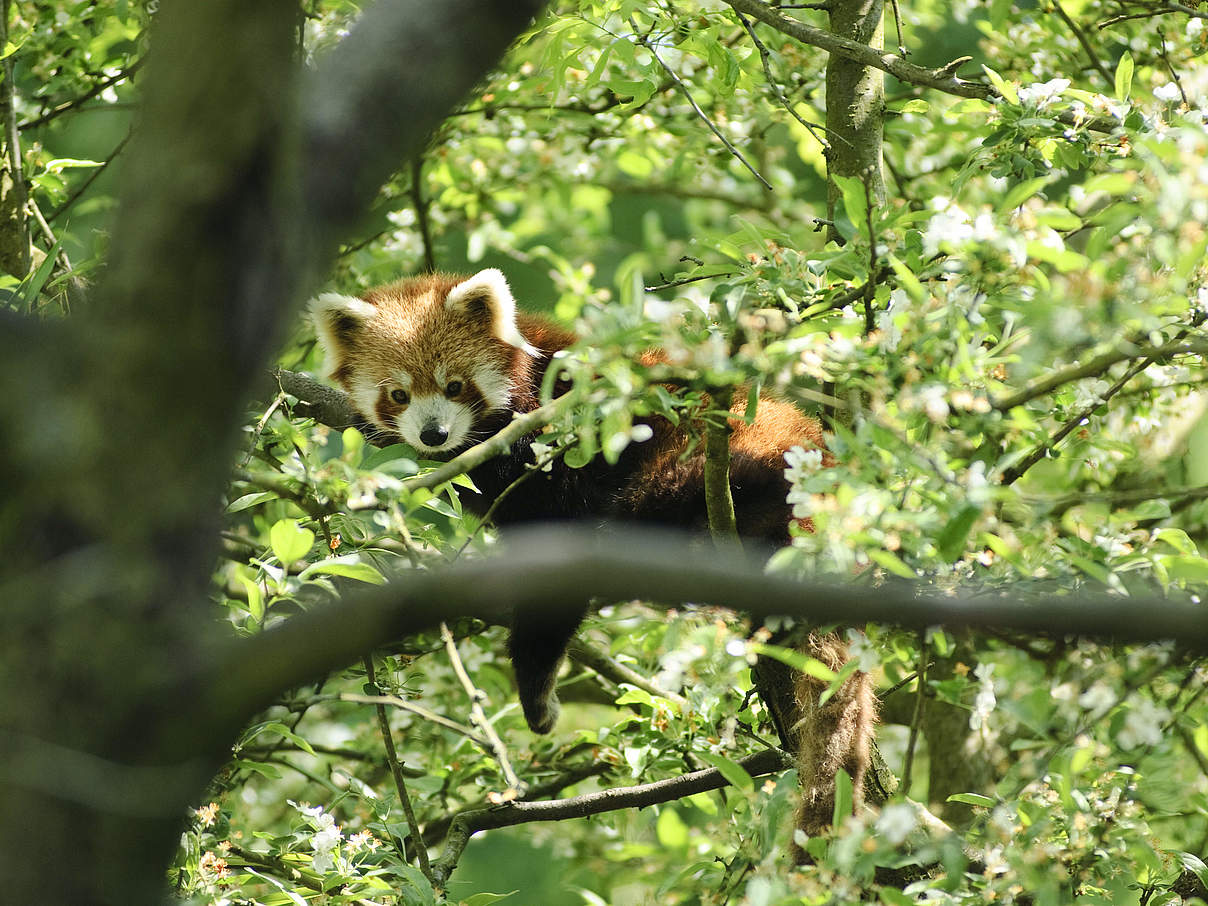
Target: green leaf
point(635, 696)
point(1124, 76)
point(485, 899)
point(31, 288)
point(952, 537)
point(797, 660)
point(1021, 192)
point(1195, 865)
point(262, 768)
point(1178, 539)
point(908, 280)
point(736, 775)
point(290, 541)
point(890, 561)
point(670, 829)
point(247, 501)
point(855, 201)
point(1005, 88)
point(68, 163)
point(349, 566)
point(255, 597)
point(843, 798)
point(286, 733)
point(972, 799)
point(1187, 569)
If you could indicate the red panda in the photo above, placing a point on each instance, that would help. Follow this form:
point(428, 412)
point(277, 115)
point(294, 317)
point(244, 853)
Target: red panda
point(445, 361)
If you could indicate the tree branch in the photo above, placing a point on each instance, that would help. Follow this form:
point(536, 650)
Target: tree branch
point(543, 569)
point(940, 79)
point(609, 668)
point(719, 500)
point(374, 100)
point(1096, 366)
point(467, 824)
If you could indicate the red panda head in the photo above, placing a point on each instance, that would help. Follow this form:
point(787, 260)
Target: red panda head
point(426, 357)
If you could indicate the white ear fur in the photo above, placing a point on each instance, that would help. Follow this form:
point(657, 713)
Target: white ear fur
point(331, 313)
point(491, 286)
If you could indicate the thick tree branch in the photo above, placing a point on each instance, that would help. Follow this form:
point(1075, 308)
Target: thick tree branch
point(375, 99)
point(546, 568)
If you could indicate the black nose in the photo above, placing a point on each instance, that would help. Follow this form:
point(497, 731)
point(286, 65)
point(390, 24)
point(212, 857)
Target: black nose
point(434, 435)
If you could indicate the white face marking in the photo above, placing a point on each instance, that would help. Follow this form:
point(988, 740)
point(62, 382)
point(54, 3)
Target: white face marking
point(433, 411)
point(494, 386)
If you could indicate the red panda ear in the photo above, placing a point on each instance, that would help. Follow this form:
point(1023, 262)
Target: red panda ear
point(486, 295)
point(337, 321)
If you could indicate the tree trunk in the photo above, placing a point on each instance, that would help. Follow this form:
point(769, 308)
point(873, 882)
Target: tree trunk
point(855, 105)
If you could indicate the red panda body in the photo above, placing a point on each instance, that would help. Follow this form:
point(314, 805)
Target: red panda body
point(445, 361)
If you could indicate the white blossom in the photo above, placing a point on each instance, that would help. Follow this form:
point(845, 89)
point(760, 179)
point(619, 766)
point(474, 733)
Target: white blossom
point(950, 224)
point(1042, 94)
point(895, 823)
point(1167, 92)
point(934, 401)
point(984, 701)
point(1099, 697)
point(1142, 725)
point(1194, 27)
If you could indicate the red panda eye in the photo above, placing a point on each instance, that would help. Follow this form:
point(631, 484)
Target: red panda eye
point(453, 389)
point(400, 396)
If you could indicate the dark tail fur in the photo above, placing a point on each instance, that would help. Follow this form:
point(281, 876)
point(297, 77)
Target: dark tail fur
point(537, 644)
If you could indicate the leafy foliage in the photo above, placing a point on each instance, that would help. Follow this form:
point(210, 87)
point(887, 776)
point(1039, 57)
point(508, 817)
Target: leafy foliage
point(1008, 354)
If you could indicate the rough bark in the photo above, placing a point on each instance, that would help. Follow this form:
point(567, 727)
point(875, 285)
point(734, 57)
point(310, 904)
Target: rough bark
point(855, 104)
point(118, 449)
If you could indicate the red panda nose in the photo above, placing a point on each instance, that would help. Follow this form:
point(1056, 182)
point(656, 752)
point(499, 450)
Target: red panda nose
point(433, 435)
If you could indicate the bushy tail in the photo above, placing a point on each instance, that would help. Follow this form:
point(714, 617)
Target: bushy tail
point(537, 644)
point(833, 735)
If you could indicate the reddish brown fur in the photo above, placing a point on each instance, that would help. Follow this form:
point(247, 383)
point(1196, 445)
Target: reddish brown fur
point(413, 331)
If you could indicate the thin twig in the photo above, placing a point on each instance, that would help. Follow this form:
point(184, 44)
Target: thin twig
point(421, 212)
point(478, 717)
point(12, 137)
point(495, 445)
point(87, 96)
point(674, 283)
point(259, 429)
point(679, 83)
point(524, 476)
point(1074, 27)
point(1059, 505)
point(1097, 365)
point(420, 711)
point(1011, 475)
point(400, 783)
point(764, 58)
point(92, 177)
point(1174, 76)
point(897, 23)
point(609, 668)
point(916, 721)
